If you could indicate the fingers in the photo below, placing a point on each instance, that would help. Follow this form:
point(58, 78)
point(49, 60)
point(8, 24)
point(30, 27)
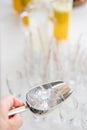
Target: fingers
point(10, 102)
point(16, 122)
point(16, 102)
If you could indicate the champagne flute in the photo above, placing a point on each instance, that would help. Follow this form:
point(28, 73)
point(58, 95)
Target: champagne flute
point(68, 110)
point(84, 116)
point(17, 83)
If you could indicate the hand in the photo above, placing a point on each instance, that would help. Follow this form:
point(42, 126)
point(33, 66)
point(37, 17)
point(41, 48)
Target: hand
point(9, 123)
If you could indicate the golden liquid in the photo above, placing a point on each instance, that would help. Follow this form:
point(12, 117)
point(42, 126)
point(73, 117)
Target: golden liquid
point(59, 14)
point(18, 6)
point(60, 27)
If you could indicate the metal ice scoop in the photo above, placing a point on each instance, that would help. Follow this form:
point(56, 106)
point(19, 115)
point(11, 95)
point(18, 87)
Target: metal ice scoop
point(44, 98)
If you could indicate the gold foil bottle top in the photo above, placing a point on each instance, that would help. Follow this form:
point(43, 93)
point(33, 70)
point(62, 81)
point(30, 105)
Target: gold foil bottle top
point(25, 18)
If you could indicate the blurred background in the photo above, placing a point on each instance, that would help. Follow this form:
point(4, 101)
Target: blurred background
point(43, 41)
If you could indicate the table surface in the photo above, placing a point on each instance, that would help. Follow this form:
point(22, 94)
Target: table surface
point(12, 46)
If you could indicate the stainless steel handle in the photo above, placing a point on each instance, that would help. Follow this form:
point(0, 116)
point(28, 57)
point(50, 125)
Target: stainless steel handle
point(18, 110)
